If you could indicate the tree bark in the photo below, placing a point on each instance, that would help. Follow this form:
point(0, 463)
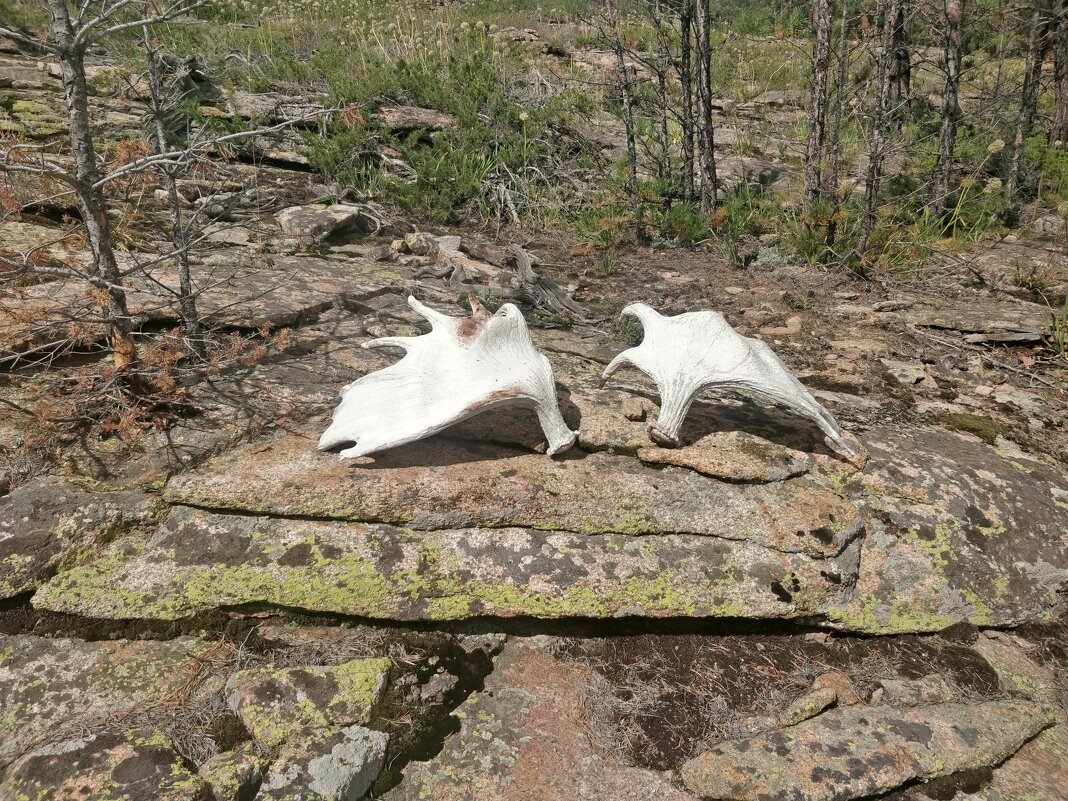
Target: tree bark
point(663, 157)
point(876, 148)
point(187, 301)
point(686, 79)
point(90, 197)
point(901, 65)
point(947, 135)
point(817, 112)
point(626, 99)
point(1058, 129)
point(841, 73)
point(705, 132)
point(1025, 119)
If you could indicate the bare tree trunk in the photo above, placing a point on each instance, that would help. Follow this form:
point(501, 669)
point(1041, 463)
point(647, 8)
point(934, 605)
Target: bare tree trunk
point(831, 181)
point(663, 162)
point(187, 302)
point(705, 132)
point(817, 112)
point(1028, 93)
point(626, 98)
point(1058, 129)
point(686, 79)
point(876, 148)
point(901, 64)
point(91, 202)
point(947, 135)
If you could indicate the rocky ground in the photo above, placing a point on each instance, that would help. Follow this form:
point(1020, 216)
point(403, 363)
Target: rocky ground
point(221, 611)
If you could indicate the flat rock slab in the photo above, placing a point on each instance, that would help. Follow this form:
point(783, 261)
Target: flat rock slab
point(955, 532)
point(48, 686)
point(135, 765)
point(200, 560)
point(733, 456)
point(43, 521)
point(522, 739)
point(440, 483)
point(1039, 770)
point(860, 751)
point(985, 320)
point(245, 292)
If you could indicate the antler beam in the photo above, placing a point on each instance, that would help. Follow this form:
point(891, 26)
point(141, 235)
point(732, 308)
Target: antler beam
point(464, 366)
point(691, 352)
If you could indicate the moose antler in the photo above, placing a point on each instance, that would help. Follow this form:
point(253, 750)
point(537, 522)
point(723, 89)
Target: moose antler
point(690, 352)
point(462, 367)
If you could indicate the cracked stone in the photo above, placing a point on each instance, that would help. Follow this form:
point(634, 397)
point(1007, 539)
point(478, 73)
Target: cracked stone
point(860, 751)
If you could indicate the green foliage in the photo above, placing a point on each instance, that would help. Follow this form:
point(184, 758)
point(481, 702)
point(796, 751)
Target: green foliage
point(683, 223)
point(1057, 341)
point(747, 211)
point(1047, 169)
point(31, 17)
point(607, 263)
point(898, 240)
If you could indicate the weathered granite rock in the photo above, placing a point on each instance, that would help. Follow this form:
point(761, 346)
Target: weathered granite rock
point(522, 739)
point(955, 532)
point(199, 560)
point(808, 706)
point(233, 775)
point(985, 320)
point(859, 751)
point(1039, 770)
point(332, 766)
point(44, 521)
point(314, 224)
point(733, 456)
point(63, 684)
point(247, 291)
point(135, 765)
point(411, 118)
point(924, 690)
point(274, 107)
point(275, 704)
point(442, 483)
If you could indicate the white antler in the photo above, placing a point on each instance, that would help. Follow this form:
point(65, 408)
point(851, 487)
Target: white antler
point(462, 367)
point(690, 352)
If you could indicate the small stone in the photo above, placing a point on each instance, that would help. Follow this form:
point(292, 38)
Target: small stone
point(233, 775)
point(925, 690)
point(326, 766)
point(314, 224)
point(756, 317)
point(437, 687)
point(733, 290)
point(842, 685)
point(983, 390)
point(792, 327)
point(892, 305)
point(636, 409)
point(808, 706)
point(381, 253)
point(906, 373)
point(275, 704)
point(419, 243)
